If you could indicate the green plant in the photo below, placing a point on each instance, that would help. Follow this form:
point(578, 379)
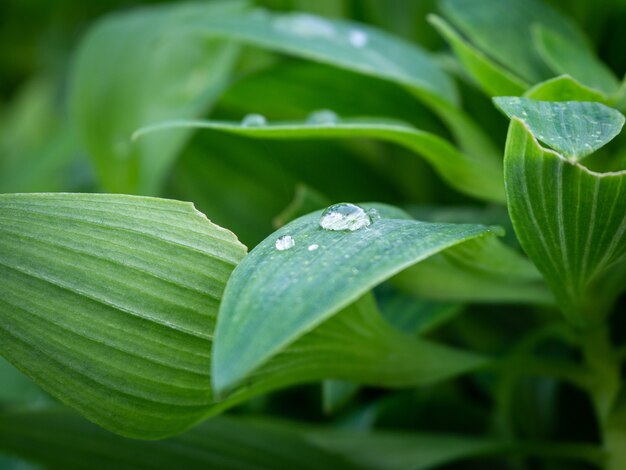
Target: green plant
point(473, 313)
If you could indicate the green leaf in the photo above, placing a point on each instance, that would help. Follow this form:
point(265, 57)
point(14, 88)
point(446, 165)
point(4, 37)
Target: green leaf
point(135, 68)
point(108, 303)
point(59, 439)
point(17, 388)
point(573, 58)
point(336, 393)
point(573, 128)
point(502, 30)
point(373, 52)
point(273, 296)
point(345, 44)
point(465, 173)
point(490, 76)
point(571, 222)
point(564, 88)
point(417, 315)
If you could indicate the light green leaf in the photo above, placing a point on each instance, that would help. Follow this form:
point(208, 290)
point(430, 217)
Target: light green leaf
point(490, 76)
point(17, 388)
point(108, 303)
point(564, 88)
point(135, 68)
point(576, 59)
point(59, 439)
point(574, 128)
point(417, 315)
point(571, 222)
point(273, 296)
point(465, 173)
point(502, 30)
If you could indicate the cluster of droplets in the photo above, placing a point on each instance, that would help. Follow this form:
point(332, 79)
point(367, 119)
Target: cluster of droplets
point(338, 217)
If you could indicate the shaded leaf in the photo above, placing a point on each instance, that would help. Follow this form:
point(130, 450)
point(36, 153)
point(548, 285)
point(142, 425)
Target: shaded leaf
point(108, 303)
point(573, 128)
point(576, 59)
point(502, 31)
point(135, 68)
point(59, 439)
point(571, 222)
point(463, 172)
point(273, 296)
point(490, 76)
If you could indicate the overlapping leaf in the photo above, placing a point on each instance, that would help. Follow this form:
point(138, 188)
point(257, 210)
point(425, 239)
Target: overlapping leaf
point(273, 297)
point(571, 221)
point(474, 176)
point(108, 302)
point(573, 128)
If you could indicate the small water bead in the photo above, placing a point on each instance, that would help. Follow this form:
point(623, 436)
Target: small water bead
point(305, 26)
point(284, 243)
point(345, 216)
point(313, 247)
point(358, 38)
point(323, 117)
point(253, 120)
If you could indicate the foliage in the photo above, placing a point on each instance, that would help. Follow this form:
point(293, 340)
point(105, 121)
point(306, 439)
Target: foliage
point(471, 317)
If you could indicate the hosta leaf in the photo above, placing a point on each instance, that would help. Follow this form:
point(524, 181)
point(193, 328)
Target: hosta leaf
point(564, 88)
point(490, 76)
point(477, 177)
point(573, 128)
point(108, 303)
point(571, 222)
point(566, 57)
point(59, 439)
point(273, 297)
point(134, 68)
point(502, 30)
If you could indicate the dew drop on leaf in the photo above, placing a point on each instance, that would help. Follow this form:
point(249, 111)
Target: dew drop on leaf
point(345, 216)
point(305, 26)
point(358, 38)
point(284, 243)
point(313, 247)
point(322, 117)
point(253, 120)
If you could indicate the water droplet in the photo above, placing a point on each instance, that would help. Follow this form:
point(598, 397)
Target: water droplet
point(345, 216)
point(313, 247)
point(322, 117)
point(253, 120)
point(284, 243)
point(373, 213)
point(358, 38)
point(305, 25)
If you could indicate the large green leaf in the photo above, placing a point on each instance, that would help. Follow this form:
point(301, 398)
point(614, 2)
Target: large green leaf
point(273, 297)
point(135, 68)
point(563, 88)
point(59, 439)
point(480, 178)
point(571, 222)
point(108, 303)
point(573, 128)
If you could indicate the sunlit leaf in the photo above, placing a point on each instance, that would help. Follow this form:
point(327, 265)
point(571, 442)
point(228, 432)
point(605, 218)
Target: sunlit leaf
point(108, 303)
